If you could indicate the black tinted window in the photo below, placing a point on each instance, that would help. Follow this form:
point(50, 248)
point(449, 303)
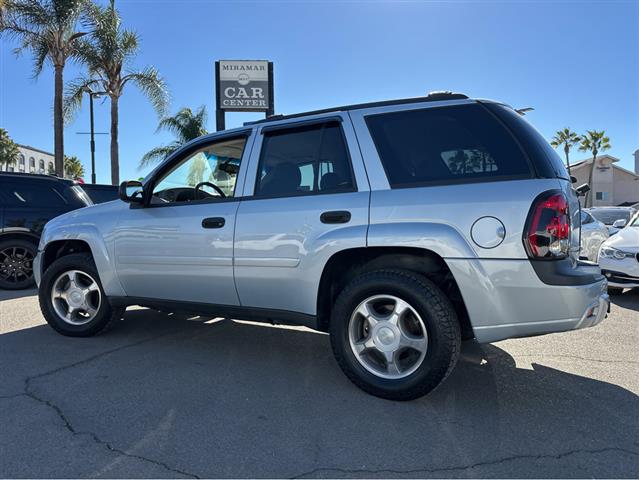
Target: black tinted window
point(32, 194)
point(311, 159)
point(444, 145)
point(546, 159)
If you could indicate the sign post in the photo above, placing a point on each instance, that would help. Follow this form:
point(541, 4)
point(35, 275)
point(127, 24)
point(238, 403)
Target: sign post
point(243, 86)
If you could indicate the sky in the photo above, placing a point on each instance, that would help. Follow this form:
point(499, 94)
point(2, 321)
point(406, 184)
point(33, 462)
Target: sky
point(576, 63)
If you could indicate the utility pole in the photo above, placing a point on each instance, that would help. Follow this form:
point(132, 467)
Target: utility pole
point(92, 94)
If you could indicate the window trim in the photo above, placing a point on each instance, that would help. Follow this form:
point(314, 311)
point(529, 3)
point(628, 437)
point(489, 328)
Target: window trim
point(294, 126)
point(452, 181)
point(180, 155)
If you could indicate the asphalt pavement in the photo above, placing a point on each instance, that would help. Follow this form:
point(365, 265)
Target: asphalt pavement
point(164, 395)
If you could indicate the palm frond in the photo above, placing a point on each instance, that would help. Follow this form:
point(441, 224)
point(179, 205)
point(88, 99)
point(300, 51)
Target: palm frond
point(152, 86)
point(158, 154)
point(73, 96)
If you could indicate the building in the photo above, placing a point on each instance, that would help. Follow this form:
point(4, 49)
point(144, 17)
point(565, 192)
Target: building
point(32, 160)
point(611, 184)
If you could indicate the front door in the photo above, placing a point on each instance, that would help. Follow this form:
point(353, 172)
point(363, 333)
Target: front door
point(180, 246)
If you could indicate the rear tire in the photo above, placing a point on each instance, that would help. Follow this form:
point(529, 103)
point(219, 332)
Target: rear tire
point(406, 341)
point(615, 291)
point(16, 264)
point(72, 299)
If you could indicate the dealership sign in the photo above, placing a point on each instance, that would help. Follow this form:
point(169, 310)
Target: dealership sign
point(244, 85)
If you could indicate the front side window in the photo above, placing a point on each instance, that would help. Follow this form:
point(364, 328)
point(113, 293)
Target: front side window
point(445, 145)
point(304, 160)
point(207, 174)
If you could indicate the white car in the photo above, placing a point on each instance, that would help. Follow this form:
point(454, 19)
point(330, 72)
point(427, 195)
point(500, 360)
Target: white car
point(593, 234)
point(619, 258)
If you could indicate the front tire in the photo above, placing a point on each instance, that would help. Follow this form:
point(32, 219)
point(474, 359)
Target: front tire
point(395, 334)
point(72, 299)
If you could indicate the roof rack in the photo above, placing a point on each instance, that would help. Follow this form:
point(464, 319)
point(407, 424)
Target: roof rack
point(431, 97)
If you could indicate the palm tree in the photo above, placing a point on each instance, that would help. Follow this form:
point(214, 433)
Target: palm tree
point(568, 139)
point(185, 125)
point(73, 168)
point(9, 152)
point(107, 55)
point(594, 142)
point(48, 29)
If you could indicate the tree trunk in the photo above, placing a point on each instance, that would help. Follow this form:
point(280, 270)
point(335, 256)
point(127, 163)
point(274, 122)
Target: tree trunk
point(115, 154)
point(589, 195)
point(58, 123)
point(567, 150)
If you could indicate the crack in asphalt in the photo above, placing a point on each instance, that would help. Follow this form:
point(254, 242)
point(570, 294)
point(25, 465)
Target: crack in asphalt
point(576, 357)
point(28, 392)
point(313, 473)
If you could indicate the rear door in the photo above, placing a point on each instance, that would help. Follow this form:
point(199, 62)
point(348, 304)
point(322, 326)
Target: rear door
point(307, 197)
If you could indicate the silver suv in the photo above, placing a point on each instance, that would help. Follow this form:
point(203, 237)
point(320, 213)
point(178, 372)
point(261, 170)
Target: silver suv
point(401, 228)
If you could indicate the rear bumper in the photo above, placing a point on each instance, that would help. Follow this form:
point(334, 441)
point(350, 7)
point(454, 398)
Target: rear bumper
point(507, 299)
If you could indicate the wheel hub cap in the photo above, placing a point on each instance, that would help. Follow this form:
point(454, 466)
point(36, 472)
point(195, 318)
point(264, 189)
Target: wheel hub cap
point(386, 338)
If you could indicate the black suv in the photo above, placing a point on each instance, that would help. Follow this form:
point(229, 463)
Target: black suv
point(27, 202)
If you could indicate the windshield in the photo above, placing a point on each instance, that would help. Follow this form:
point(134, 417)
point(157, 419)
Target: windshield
point(635, 221)
point(609, 216)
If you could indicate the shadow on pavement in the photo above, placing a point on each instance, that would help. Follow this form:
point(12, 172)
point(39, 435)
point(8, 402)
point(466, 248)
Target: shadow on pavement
point(13, 294)
point(162, 395)
point(628, 299)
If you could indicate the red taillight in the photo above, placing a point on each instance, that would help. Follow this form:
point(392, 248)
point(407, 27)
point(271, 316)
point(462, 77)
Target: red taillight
point(548, 229)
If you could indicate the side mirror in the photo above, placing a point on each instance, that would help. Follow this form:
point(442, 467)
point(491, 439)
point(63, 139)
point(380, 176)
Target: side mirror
point(131, 191)
point(582, 190)
point(619, 223)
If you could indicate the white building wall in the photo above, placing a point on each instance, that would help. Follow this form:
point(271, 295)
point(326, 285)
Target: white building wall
point(32, 161)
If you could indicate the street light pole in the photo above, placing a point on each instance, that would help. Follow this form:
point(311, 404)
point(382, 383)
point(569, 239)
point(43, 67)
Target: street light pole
point(92, 138)
point(91, 95)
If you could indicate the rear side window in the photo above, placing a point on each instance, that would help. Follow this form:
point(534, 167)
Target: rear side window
point(303, 161)
point(456, 144)
point(32, 194)
point(547, 162)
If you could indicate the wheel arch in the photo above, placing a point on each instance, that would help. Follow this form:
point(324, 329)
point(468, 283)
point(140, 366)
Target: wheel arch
point(59, 241)
point(345, 265)
point(28, 236)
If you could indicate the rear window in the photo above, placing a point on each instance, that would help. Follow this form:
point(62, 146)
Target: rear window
point(609, 216)
point(547, 161)
point(457, 144)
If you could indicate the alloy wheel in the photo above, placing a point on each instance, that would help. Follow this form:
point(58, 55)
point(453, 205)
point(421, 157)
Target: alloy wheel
point(16, 264)
point(76, 297)
point(388, 337)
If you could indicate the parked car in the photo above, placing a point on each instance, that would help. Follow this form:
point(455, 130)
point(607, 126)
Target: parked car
point(593, 234)
point(399, 227)
point(619, 258)
point(27, 202)
point(101, 193)
point(615, 218)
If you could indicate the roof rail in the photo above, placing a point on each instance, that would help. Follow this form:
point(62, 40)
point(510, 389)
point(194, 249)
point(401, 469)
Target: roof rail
point(431, 97)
